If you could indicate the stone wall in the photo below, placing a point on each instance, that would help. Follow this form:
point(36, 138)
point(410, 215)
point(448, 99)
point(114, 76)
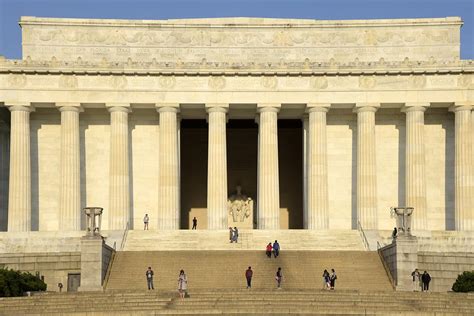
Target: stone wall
point(54, 266)
point(443, 257)
point(445, 267)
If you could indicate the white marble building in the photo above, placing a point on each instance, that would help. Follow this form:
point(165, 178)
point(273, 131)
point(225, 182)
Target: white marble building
point(323, 123)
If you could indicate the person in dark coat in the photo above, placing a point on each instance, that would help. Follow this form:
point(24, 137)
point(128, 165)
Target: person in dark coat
point(248, 276)
point(333, 279)
point(425, 279)
point(195, 223)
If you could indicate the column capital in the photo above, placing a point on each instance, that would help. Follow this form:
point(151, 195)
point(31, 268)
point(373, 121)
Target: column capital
point(324, 109)
point(275, 108)
point(69, 106)
point(118, 108)
point(167, 107)
point(415, 106)
point(20, 106)
point(217, 107)
point(461, 106)
point(366, 107)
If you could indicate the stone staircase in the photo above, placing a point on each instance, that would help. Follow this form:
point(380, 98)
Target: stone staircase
point(356, 270)
point(297, 239)
point(242, 302)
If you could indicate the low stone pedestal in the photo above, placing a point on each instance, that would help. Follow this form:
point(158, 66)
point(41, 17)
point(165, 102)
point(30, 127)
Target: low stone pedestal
point(402, 259)
point(95, 257)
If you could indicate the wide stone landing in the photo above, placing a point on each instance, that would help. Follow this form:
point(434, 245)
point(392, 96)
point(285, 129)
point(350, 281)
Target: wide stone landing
point(248, 240)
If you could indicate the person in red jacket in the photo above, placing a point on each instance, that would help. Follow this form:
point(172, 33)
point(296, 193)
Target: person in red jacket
point(269, 250)
point(248, 276)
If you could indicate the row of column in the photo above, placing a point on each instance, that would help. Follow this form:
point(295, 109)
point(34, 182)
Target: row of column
point(316, 175)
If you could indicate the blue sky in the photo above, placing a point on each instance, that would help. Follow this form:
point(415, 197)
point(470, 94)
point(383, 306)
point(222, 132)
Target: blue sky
point(11, 10)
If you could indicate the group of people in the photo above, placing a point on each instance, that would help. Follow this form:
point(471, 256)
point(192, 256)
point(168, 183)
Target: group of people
point(329, 280)
point(233, 234)
point(182, 281)
point(421, 280)
point(275, 249)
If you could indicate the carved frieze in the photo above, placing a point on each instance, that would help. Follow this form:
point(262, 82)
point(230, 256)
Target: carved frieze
point(269, 82)
point(17, 80)
point(367, 82)
point(319, 83)
point(167, 82)
point(216, 83)
point(68, 81)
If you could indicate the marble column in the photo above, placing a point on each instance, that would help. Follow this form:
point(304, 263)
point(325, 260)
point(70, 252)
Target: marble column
point(318, 217)
point(168, 205)
point(305, 168)
point(217, 168)
point(268, 182)
point(415, 176)
point(119, 176)
point(70, 172)
point(366, 167)
point(463, 212)
point(4, 163)
point(19, 197)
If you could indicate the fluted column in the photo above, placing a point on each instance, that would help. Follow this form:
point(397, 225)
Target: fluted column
point(119, 182)
point(268, 182)
point(318, 217)
point(19, 197)
point(70, 173)
point(168, 205)
point(366, 167)
point(415, 177)
point(217, 168)
point(462, 167)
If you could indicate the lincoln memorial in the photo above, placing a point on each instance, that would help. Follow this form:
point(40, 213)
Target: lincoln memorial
point(305, 124)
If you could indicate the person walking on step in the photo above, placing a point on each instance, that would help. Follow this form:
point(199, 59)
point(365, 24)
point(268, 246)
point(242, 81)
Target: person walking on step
point(146, 219)
point(182, 284)
point(276, 249)
point(269, 250)
point(248, 276)
point(415, 275)
point(279, 277)
point(195, 223)
point(425, 280)
point(149, 278)
point(333, 279)
point(326, 280)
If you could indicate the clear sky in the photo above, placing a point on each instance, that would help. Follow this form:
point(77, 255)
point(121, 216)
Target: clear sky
point(11, 10)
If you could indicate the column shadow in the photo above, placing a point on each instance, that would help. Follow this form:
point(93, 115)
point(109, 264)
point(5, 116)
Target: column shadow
point(82, 168)
point(401, 163)
point(34, 157)
point(131, 224)
point(354, 217)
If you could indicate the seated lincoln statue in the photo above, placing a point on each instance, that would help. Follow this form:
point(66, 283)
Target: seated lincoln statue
point(240, 208)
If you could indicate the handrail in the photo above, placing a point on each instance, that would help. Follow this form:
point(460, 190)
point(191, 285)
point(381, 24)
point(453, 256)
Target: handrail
point(364, 238)
point(124, 237)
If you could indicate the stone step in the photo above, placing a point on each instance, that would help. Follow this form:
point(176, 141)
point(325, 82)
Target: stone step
point(225, 269)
